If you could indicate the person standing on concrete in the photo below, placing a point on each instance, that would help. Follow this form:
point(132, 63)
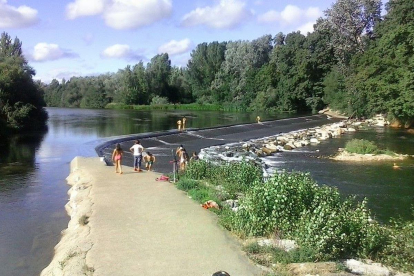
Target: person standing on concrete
point(117, 157)
point(137, 149)
point(149, 160)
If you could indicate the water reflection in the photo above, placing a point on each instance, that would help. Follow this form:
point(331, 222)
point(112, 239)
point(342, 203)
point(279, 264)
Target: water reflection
point(18, 158)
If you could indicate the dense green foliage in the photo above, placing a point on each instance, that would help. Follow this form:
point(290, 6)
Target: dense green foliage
point(359, 64)
point(361, 146)
point(21, 98)
point(292, 205)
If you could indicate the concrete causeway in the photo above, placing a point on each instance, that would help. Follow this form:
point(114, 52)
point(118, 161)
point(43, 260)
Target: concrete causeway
point(131, 224)
point(140, 226)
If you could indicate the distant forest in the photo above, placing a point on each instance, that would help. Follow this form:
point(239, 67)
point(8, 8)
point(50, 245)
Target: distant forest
point(356, 61)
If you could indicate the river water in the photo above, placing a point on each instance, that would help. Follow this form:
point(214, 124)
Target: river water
point(33, 168)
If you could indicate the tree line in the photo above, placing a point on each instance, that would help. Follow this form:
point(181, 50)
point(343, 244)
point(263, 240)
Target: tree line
point(356, 61)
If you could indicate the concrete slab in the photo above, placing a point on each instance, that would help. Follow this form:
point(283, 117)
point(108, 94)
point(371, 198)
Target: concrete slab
point(140, 226)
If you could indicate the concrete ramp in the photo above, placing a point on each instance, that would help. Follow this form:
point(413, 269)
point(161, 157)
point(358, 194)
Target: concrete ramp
point(140, 226)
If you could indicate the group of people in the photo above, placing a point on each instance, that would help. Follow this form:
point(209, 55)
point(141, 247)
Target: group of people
point(181, 124)
point(183, 157)
point(137, 149)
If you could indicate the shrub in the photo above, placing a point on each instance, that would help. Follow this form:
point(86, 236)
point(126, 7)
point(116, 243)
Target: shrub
point(361, 146)
point(186, 184)
point(199, 169)
point(157, 100)
point(235, 177)
point(202, 194)
point(334, 230)
point(275, 204)
point(399, 251)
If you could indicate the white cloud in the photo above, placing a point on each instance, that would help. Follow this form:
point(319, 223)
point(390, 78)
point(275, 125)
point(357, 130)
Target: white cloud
point(120, 51)
point(225, 15)
point(46, 52)
point(175, 47)
point(122, 14)
point(20, 17)
point(306, 28)
point(132, 14)
point(58, 74)
point(84, 8)
point(293, 16)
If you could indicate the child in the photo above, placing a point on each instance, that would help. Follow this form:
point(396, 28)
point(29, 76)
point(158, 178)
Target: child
point(183, 155)
point(149, 160)
point(194, 157)
point(117, 157)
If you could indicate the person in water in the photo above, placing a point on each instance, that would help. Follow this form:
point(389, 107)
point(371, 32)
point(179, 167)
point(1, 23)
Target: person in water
point(149, 160)
point(117, 158)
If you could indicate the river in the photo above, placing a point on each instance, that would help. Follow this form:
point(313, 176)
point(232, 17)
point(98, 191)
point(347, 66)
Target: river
point(33, 168)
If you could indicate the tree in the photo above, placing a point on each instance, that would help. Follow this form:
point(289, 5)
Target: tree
point(350, 23)
point(158, 72)
point(205, 62)
point(243, 59)
point(384, 73)
point(21, 99)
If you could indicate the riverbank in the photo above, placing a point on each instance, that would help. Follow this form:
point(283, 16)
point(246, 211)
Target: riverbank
point(131, 224)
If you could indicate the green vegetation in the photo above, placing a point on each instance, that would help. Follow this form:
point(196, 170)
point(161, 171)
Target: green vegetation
point(21, 98)
point(294, 206)
point(359, 64)
point(193, 106)
point(361, 146)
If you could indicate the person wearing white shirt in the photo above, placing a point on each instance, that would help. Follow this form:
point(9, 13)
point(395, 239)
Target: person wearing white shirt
point(137, 149)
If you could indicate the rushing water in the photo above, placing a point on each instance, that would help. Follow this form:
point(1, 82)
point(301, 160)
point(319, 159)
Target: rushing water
point(33, 169)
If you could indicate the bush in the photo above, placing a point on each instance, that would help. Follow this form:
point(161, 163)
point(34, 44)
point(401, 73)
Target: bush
point(186, 184)
point(234, 177)
point(361, 146)
point(334, 230)
point(202, 194)
point(157, 100)
point(399, 251)
point(275, 205)
point(199, 169)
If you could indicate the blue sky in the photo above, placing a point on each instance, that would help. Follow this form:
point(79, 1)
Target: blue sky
point(62, 39)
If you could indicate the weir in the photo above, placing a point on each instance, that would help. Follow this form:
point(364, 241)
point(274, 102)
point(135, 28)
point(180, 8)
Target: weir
point(161, 144)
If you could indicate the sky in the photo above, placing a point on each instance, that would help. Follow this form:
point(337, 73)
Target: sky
point(65, 38)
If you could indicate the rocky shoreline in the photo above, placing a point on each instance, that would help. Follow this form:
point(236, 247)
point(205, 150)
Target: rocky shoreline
point(254, 149)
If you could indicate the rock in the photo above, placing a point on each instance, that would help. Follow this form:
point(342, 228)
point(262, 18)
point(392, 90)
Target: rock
point(361, 268)
point(314, 141)
point(287, 147)
point(266, 151)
